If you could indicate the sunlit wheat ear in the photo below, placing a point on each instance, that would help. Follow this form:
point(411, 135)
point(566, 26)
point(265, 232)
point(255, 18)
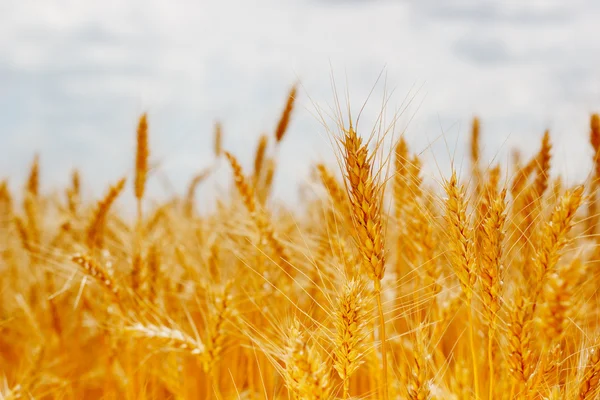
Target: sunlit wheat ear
point(141, 158)
point(543, 165)
point(218, 139)
point(336, 192)
point(589, 384)
point(488, 192)
point(213, 262)
point(462, 255)
point(411, 214)
point(307, 375)
point(6, 202)
point(365, 197)
point(595, 139)
point(33, 181)
point(350, 324)
point(136, 275)
point(23, 234)
point(491, 260)
point(401, 176)
point(153, 273)
point(95, 228)
point(259, 157)
point(265, 187)
point(592, 219)
point(284, 120)
point(74, 192)
point(262, 222)
point(475, 145)
point(93, 269)
point(491, 238)
point(30, 206)
point(220, 311)
point(245, 190)
point(76, 182)
point(475, 150)
point(520, 340)
point(555, 233)
point(558, 307)
point(418, 381)
point(428, 242)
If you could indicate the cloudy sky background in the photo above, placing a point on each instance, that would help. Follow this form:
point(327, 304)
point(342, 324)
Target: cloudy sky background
point(75, 75)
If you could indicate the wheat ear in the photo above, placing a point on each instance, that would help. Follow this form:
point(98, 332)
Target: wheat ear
point(475, 150)
point(350, 332)
point(259, 158)
point(543, 165)
point(490, 271)
point(366, 196)
point(306, 374)
point(593, 204)
point(92, 268)
point(33, 181)
point(462, 255)
point(285, 115)
point(94, 231)
point(141, 161)
point(218, 139)
point(588, 388)
point(249, 198)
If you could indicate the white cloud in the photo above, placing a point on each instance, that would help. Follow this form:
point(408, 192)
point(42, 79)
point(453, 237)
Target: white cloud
point(76, 74)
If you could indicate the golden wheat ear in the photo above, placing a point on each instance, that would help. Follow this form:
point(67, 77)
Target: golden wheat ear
point(218, 139)
point(33, 181)
point(95, 229)
point(263, 224)
point(365, 195)
point(350, 324)
point(99, 273)
point(460, 236)
point(190, 197)
point(141, 162)
point(306, 374)
point(590, 380)
point(592, 219)
point(284, 120)
point(475, 154)
point(543, 167)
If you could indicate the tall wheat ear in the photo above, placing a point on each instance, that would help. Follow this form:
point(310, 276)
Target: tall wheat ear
point(366, 196)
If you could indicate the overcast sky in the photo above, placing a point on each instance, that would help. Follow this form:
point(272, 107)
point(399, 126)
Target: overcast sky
point(76, 74)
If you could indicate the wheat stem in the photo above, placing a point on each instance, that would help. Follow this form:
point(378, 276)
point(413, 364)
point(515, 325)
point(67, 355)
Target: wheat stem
point(473, 351)
point(384, 380)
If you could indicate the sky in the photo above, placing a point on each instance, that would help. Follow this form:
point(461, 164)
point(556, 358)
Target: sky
point(76, 74)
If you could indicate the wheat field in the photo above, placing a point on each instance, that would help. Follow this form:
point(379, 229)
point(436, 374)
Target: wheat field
point(380, 285)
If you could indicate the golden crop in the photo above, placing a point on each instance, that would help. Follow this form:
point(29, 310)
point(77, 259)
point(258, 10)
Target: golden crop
point(378, 286)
